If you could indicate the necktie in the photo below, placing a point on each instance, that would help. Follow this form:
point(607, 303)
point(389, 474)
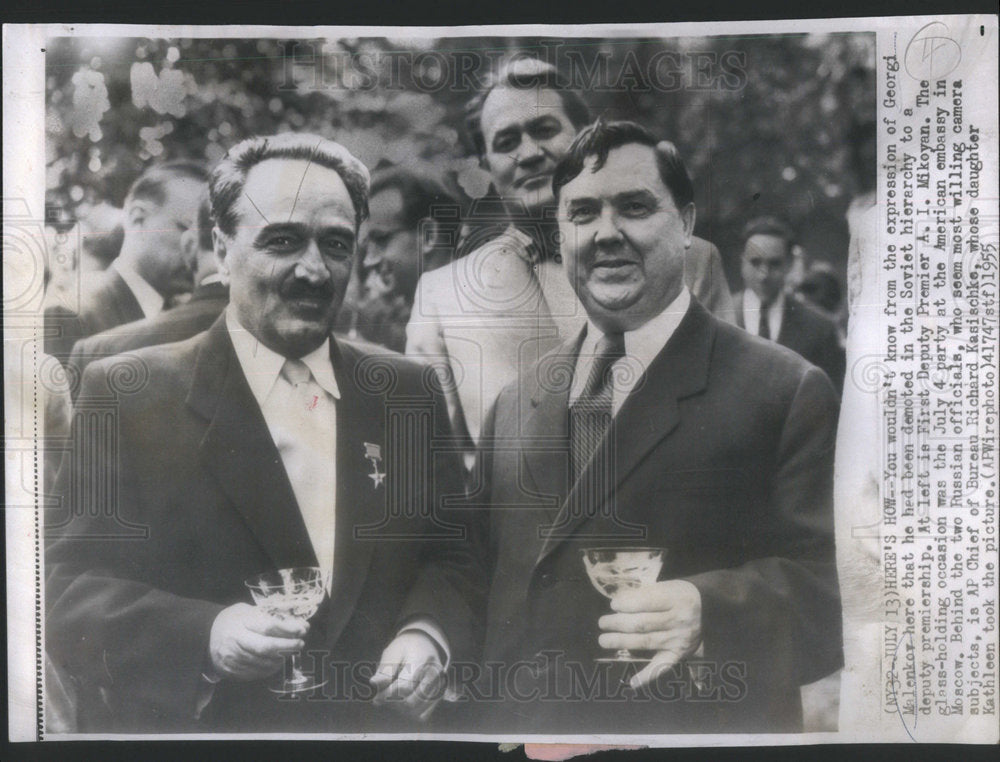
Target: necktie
point(764, 329)
point(590, 415)
point(305, 436)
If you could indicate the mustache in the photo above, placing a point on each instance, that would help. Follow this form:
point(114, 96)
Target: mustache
point(297, 289)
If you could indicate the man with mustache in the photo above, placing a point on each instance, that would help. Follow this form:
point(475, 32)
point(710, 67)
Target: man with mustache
point(657, 425)
point(262, 444)
point(484, 316)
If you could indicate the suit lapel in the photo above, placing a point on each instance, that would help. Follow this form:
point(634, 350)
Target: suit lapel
point(125, 304)
point(649, 415)
point(360, 502)
point(238, 450)
point(544, 438)
point(738, 306)
point(791, 326)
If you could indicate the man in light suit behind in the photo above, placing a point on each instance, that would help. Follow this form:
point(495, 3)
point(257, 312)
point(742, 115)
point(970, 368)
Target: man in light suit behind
point(658, 425)
point(260, 444)
point(506, 303)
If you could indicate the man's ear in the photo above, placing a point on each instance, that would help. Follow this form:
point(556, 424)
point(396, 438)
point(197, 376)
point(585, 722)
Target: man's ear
point(435, 248)
point(688, 214)
point(137, 212)
point(189, 248)
point(220, 243)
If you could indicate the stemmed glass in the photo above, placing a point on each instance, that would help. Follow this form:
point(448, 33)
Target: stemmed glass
point(294, 593)
point(614, 569)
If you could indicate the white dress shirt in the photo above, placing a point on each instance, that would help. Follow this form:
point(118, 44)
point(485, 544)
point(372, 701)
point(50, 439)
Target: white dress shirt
point(307, 442)
point(150, 300)
point(304, 431)
point(641, 347)
point(751, 313)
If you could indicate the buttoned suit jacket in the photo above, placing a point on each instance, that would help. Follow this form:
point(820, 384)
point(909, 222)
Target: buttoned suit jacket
point(810, 334)
point(199, 501)
point(181, 322)
point(104, 301)
point(482, 318)
point(723, 456)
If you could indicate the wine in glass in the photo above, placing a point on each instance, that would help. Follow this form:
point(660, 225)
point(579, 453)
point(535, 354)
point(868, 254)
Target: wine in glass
point(291, 594)
point(614, 569)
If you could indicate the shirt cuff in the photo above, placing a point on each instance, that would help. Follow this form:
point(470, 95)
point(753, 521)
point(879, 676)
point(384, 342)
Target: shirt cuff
point(431, 630)
point(206, 690)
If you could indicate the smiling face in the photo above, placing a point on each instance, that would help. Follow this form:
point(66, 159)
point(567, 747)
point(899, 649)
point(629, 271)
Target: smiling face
point(526, 133)
point(290, 258)
point(623, 238)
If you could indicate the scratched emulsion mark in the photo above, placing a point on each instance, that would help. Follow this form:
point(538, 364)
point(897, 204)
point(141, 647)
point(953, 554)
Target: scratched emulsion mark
point(932, 54)
point(893, 681)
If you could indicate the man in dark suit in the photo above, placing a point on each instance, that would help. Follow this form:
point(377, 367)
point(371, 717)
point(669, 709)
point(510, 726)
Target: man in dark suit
point(160, 206)
point(765, 310)
point(660, 426)
point(506, 302)
point(262, 444)
point(208, 300)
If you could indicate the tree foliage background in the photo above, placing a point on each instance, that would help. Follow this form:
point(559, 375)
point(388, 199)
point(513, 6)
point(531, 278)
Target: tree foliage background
point(765, 122)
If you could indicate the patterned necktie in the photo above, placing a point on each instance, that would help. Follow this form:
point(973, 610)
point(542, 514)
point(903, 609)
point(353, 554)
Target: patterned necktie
point(306, 441)
point(590, 415)
point(764, 327)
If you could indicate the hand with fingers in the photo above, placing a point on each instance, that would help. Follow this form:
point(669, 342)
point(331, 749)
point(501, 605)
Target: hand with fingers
point(410, 674)
point(664, 617)
point(248, 644)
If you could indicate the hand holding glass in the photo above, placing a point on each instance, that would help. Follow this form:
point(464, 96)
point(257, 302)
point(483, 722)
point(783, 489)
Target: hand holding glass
point(291, 594)
point(614, 569)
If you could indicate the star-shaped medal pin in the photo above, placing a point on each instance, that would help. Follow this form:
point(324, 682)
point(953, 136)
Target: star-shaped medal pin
point(373, 453)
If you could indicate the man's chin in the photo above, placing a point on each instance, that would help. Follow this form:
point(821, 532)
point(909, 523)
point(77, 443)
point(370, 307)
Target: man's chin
point(534, 199)
point(298, 337)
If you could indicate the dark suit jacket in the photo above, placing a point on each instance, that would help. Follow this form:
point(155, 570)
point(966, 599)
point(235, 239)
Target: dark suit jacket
point(181, 322)
point(810, 334)
point(104, 301)
point(200, 501)
point(722, 455)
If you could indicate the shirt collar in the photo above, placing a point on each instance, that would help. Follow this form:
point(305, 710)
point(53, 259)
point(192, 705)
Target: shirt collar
point(150, 300)
point(261, 365)
point(647, 341)
point(751, 302)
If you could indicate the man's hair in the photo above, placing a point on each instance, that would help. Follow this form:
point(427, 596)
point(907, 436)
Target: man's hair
point(525, 73)
point(424, 195)
point(771, 226)
point(599, 138)
point(229, 175)
point(152, 184)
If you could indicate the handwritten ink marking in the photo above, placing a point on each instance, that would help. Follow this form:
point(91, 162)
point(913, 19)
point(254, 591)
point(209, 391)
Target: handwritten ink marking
point(932, 54)
point(894, 681)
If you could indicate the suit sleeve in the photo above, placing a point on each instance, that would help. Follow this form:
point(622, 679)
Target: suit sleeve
point(451, 587)
point(107, 624)
point(63, 328)
point(780, 611)
point(423, 331)
point(711, 289)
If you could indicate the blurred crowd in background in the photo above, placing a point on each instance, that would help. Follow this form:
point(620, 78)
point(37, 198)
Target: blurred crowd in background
point(775, 127)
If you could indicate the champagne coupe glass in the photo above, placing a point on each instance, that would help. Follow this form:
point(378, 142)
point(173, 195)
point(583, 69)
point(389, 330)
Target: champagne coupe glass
point(294, 593)
point(614, 569)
